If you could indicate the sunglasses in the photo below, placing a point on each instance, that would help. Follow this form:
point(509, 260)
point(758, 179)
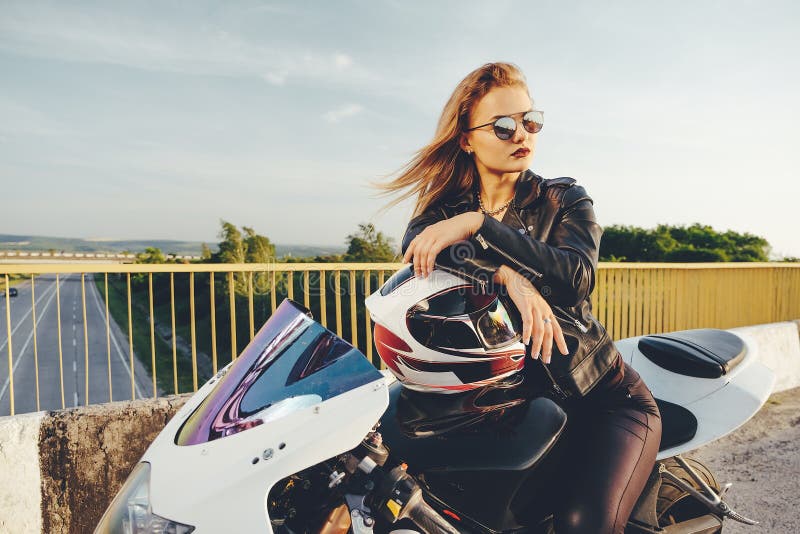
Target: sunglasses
point(506, 127)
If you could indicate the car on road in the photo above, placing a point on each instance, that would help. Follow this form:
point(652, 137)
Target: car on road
point(12, 292)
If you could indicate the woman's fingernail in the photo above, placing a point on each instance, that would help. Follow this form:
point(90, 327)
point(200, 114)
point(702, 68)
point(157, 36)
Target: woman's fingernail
point(536, 356)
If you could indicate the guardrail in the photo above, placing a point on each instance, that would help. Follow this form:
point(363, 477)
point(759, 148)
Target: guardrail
point(139, 305)
point(34, 256)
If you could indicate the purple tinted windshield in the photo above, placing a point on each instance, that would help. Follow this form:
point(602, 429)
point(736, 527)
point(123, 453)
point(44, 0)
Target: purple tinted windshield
point(292, 357)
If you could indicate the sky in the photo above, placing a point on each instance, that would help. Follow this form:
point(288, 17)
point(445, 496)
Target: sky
point(136, 120)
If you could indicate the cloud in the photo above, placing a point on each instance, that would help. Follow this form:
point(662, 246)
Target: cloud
point(19, 118)
point(335, 115)
point(342, 60)
point(275, 78)
point(196, 47)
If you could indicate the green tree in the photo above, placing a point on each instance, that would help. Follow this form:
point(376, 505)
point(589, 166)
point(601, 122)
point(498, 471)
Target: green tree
point(231, 247)
point(246, 246)
point(368, 245)
point(151, 255)
point(693, 243)
point(258, 249)
point(206, 256)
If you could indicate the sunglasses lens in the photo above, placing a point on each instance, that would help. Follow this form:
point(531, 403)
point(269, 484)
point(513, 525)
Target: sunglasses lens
point(504, 127)
point(533, 121)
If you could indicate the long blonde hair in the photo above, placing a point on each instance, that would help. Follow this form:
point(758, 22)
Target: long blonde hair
point(441, 167)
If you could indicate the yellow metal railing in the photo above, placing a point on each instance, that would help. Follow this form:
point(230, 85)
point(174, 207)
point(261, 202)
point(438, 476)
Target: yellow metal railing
point(630, 299)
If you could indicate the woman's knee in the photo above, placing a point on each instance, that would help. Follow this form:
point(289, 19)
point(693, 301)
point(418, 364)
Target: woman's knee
point(586, 519)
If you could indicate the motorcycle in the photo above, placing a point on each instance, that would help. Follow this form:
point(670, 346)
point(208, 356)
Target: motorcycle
point(301, 433)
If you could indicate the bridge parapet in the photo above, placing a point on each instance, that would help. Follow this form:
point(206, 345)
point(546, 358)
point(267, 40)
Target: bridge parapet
point(60, 470)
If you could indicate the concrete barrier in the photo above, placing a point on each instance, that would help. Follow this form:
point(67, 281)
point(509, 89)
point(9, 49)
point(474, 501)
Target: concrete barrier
point(60, 470)
point(20, 479)
point(778, 349)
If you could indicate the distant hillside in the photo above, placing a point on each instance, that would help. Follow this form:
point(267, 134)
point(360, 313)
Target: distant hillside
point(304, 251)
point(183, 248)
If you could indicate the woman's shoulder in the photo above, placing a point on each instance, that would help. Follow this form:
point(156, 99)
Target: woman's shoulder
point(564, 190)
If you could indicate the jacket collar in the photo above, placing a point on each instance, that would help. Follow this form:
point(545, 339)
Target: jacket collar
point(528, 187)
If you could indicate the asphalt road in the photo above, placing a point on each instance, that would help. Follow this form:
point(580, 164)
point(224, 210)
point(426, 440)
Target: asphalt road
point(762, 459)
point(73, 371)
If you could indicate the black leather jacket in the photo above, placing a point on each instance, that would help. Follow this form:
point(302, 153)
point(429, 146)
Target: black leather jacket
point(549, 235)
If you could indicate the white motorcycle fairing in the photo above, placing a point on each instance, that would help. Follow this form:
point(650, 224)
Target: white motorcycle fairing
point(299, 395)
point(720, 405)
point(229, 477)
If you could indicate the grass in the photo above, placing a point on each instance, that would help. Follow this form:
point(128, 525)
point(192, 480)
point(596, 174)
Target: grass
point(118, 306)
point(13, 280)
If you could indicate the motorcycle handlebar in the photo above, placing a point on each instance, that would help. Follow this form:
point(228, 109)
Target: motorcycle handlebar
point(429, 519)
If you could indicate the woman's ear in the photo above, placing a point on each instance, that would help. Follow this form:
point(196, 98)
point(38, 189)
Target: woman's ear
point(463, 142)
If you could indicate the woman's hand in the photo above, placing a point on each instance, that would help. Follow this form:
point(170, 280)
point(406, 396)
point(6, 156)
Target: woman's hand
point(432, 240)
point(534, 311)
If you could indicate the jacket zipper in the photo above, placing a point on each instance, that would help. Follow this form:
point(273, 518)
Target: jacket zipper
point(485, 244)
point(574, 321)
point(482, 283)
point(560, 392)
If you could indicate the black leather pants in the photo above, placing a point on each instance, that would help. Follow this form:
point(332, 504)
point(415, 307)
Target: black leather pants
point(613, 437)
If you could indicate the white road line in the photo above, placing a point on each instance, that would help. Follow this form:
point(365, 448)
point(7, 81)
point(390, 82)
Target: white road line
point(25, 346)
point(75, 399)
point(74, 342)
point(74, 366)
point(42, 297)
point(102, 311)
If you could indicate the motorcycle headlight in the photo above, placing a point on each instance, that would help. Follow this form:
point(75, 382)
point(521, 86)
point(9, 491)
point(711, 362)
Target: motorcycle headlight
point(130, 512)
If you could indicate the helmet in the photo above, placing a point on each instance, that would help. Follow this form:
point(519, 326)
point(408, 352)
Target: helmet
point(443, 334)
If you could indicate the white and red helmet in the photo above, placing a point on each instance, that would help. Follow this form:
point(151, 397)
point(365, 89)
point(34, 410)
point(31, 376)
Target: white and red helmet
point(444, 334)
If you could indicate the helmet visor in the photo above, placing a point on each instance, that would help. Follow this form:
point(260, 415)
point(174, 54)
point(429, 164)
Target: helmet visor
point(462, 319)
point(495, 326)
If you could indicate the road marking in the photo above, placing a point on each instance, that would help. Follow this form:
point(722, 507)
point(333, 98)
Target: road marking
point(42, 297)
point(75, 399)
point(25, 345)
point(74, 342)
point(102, 311)
point(74, 366)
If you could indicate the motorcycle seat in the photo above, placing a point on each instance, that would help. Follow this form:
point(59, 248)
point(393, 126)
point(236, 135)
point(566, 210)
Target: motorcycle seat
point(496, 447)
point(701, 353)
point(678, 424)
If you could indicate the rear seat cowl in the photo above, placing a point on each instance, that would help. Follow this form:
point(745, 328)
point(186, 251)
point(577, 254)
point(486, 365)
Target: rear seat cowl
point(702, 353)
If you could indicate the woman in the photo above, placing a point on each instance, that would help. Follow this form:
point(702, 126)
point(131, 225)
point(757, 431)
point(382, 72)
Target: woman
point(481, 212)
